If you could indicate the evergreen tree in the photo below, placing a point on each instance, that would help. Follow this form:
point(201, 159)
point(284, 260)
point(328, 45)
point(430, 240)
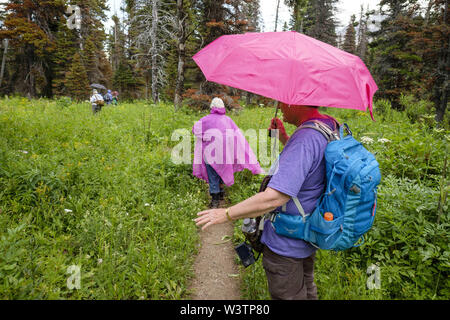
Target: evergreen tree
point(92, 37)
point(90, 56)
point(350, 37)
point(76, 81)
point(363, 33)
point(320, 22)
point(441, 54)
point(431, 43)
point(395, 66)
point(212, 24)
point(116, 43)
point(126, 62)
point(66, 47)
point(30, 27)
point(123, 80)
point(299, 8)
point(252, 13)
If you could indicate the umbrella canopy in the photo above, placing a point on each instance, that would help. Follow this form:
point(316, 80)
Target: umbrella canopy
point(289, 67)
point(98, 86)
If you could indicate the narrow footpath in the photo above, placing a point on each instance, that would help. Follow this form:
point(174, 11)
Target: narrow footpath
point(216, 273)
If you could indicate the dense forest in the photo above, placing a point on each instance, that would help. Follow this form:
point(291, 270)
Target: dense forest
point(147, 53)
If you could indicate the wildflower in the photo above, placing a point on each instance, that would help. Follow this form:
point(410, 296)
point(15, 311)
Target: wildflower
point(23, 151)
point(99, 261)
point(67, 210)
point(383, 140)
point(367, 140)
point(146, 205)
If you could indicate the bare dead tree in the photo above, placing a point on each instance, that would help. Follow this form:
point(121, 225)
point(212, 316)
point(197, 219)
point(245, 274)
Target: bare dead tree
point(181, 46)
point(152, 40)
point(276, 15)
point(181, 31)
point(2, 70)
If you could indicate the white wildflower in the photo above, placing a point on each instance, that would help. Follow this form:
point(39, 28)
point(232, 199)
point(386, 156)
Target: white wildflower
point(67, 210)
point(383, 140)
point(146, 205)
point(99, 261)
point(23, 151)
point(367, 140)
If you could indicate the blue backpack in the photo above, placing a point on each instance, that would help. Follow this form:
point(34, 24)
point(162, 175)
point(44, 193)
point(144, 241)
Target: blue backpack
point(352, 177)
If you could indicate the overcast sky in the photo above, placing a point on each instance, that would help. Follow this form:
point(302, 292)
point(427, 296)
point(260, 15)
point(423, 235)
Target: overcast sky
point(268, 8)
point(345, 10)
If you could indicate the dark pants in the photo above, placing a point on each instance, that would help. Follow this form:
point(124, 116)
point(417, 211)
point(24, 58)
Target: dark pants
point(96, 108)
point(215, 181)
point(289, 278)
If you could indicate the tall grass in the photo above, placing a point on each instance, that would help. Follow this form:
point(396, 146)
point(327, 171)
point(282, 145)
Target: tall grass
point(98, 192)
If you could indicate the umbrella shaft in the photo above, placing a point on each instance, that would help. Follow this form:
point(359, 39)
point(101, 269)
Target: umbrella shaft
point(276, 111)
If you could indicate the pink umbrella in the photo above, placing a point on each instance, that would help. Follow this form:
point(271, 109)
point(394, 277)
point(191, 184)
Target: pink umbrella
point(289, 67)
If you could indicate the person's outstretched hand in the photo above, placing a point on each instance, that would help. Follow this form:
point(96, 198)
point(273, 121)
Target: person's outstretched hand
point(211, 217)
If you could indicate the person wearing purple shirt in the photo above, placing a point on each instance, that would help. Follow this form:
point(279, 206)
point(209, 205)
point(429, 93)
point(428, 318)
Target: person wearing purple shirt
point(288, 262)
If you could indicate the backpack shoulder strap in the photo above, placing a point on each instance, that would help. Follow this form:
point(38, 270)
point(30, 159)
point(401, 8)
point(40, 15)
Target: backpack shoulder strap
point(325, 130)
point(330, 135)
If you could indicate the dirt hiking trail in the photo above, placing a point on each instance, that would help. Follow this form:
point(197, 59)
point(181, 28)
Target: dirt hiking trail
point(216, 273)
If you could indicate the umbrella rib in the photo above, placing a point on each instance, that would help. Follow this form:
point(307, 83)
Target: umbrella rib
point(291, 86)
point(351, 70)
point(329, 52)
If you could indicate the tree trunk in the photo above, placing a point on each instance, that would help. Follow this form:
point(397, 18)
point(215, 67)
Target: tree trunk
point(181, 54)
point(441, 87)
point(276, 15)
point(154, 51)
point(180, 76)
point(427, 13)
point(248, 98)
point(30, 83)
point(2, 70)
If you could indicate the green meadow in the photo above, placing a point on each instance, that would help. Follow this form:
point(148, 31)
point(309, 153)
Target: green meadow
point(101, 193)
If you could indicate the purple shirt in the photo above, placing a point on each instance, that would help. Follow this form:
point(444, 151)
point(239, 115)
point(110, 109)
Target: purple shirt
point(301, 174)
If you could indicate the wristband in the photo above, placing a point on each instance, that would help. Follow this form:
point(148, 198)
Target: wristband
point(228, 215)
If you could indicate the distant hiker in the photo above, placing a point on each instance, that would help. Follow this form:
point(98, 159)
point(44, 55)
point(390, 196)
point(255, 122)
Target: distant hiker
point(115, 98)
point(96, 101)
point(220, 151)
point(108, 97)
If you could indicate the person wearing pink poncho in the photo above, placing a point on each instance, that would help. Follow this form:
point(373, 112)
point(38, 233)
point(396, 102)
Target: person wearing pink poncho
point(220, 151)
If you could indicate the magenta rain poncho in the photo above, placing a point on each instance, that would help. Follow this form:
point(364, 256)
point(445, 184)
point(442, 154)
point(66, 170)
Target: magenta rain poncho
point(222, 144)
